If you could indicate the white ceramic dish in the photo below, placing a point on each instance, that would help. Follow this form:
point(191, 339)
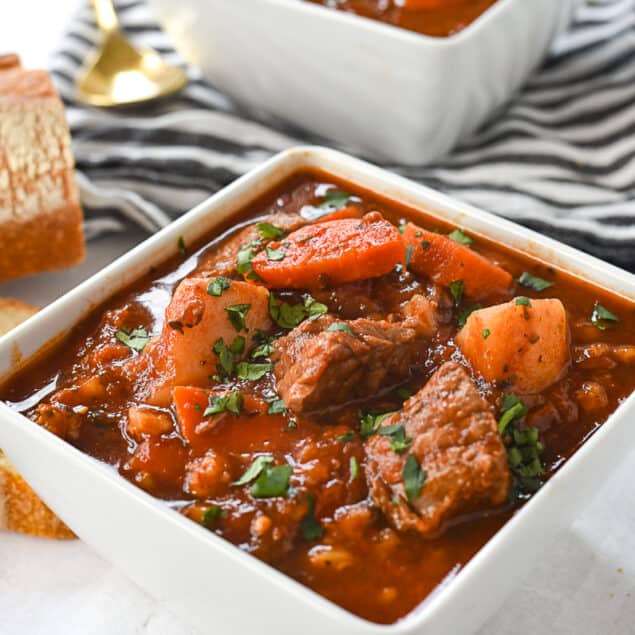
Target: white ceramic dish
point(208, 580)
point(381, 91)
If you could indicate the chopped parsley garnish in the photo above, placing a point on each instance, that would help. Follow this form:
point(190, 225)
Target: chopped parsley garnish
point(270, 232)
point(523, 301)
point(262, 350)
point(408, 255)
point(339, 326)
point(288, 316)
point(404, 393)
point(486, 333)
point(231, 402)
point(601, 317)
point(464, 315)
point(244, 258)
point(226, 355)
point(346, 438)
point(218, 285)
point(135, 339)
point(180, 243)
point(533, 282)
point(523, 447)
point(212, 514)
point(369, 422)
point(457, 288)
point(425, 244)
point(334, 200)
point(274, 254)
point(237, 314)
point(512, 408)
point(399, 442)
point(354, 467)
point(458, 236)
point(277, 407)
point(414, 478)
point(311, 529)
point(273, 481)
point(238, 345)
point(402, 226)
point(252, 371)
point(254, 470)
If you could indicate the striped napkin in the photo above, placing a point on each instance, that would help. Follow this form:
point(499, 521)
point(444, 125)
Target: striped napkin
point(560, 158)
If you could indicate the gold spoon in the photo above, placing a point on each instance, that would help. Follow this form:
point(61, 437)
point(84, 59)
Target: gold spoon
point(118, 74)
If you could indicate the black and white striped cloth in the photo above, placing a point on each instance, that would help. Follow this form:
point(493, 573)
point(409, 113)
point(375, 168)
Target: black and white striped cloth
point(560, 159)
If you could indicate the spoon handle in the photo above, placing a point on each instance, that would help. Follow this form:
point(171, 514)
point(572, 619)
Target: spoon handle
point(105, 15)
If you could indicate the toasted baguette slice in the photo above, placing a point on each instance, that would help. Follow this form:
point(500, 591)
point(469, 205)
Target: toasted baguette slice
point(20, 508)
point(40, 215)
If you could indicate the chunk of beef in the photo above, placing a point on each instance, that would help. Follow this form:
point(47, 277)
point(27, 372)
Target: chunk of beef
point(221, 261)
point(326, 362)
point(455, 441)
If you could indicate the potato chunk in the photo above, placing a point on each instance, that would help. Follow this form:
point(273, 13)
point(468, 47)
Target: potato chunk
point(523, 344)
point(195, 320)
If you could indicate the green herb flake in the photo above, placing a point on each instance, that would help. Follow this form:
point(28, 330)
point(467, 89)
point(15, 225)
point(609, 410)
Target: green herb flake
point(457, 288)
point(523, 301)
point(404, 393)
point(277, 407)
point(486, 333)
point(213, 514)
point(274, 255)
point(399, 442)
point(236, 314)
point(180, 243)
point(288, 316)
point(262, 350)
point(252, 371)
point(270, 232)
point(135, 339)
point(218, 285)
point(346, 438)
point(334, 200)
point(601, 317)
point(244, 257)
point(218, 404)
point(414, 478)
point(310, 527)
point(464, 315)
point(254, 470)
point(408, 255)
point(225, 357)
point(512, 408)
point(402, 226)
point(273, 481)
point(354, 467)
point(458, 236)
point(533, 282)
point(425, 244)
point(370, 422)
point(339, 326)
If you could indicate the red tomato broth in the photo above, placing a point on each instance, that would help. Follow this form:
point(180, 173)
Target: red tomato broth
point(373, 570)
point(438, 18)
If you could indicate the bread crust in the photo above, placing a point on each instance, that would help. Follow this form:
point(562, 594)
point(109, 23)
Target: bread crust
point(20, 508)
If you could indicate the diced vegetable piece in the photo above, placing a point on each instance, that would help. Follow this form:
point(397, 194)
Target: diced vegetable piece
point(186, 351)
point(445, 261)
point(193, 407)
point(333, 252)
point(345, 212)
point(527, 347)
point(414, 5)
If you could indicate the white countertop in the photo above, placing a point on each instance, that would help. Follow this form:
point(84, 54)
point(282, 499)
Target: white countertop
point(584, 584)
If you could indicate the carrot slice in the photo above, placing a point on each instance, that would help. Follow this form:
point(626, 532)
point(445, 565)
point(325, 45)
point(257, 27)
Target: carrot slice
point(332, 252)
point(445, 261)
point(414, 5)
point(345, 212)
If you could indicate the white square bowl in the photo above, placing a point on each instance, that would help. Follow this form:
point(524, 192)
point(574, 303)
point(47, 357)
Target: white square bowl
point(381, 91)
point(207, 580)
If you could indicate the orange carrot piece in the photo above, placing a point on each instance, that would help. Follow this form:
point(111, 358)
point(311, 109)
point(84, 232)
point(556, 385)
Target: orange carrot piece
point(414, 5)
point(345, 212)
point(445, 261)
point(332, 252)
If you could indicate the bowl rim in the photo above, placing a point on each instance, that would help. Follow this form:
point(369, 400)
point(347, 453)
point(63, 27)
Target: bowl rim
point(396, 187)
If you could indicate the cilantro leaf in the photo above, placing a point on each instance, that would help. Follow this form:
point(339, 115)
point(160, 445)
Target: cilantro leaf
point(135, 339)
point(399, 442)
point(370, 422)
point(512, 408)
point(310, 527)
point(458, 236)
point(274, 254)
point(252, 371)
point(339, 326)
point(601, 315)
point(414, 478)
point(218, 285)
point(273, 481)
point(213, 513)
point(464, 315)
point(231, 402)
point(254, 470)
point(457, 288)
point(533, 282)
point(270, 232)
point(236, 314)
point(334, 200)
point(354, 467)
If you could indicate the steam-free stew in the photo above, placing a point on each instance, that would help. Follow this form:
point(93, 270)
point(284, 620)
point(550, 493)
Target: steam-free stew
point(439, 18)
point(349, 390)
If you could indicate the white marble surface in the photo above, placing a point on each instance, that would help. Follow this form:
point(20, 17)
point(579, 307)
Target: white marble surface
point(583, 585)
